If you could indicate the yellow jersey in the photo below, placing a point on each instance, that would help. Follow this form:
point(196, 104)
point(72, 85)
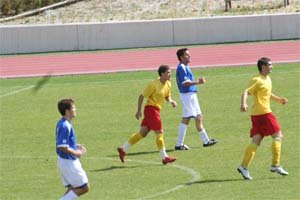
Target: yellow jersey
point(156, 93)
point(260, 87)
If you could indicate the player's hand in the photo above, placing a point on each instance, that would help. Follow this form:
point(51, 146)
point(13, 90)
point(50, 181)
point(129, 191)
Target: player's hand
point(173, 103)
point(138, 115)
point(78, 153)
point(283, 100)
point(82, 148)
point(244, 107)
point(201, 80)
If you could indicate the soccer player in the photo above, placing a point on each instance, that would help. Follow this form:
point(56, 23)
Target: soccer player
point(187, 86)
point(263, 120)
point(156, 93)
point(73, 176)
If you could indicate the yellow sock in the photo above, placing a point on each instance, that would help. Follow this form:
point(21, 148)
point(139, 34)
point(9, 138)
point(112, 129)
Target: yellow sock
point(249, 155)
point(276, 151)
point(135, 138)
point(160, 143)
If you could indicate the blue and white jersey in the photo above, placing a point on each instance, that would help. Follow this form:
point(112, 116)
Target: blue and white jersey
point(184, 74)
point(65, 137)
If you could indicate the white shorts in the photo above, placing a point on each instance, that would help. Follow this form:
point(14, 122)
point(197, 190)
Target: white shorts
point(190, 105)
point(71, 172)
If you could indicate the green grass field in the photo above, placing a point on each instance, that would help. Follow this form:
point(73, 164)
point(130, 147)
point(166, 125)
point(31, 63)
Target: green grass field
point(106, 105)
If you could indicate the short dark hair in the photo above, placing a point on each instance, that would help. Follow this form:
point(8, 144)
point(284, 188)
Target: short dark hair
point(180, 52)
point(163, 69)
point(262, 61)
point(65, 104)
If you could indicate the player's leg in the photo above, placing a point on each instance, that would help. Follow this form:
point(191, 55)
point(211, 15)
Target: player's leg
point(187, 113)
point(199, 122)
point(249, 155)
point(251, 150)
point(63, 166)
point(82, 190)
point(276, 148)
point(74, 193)
point(136, 137)
point(189, 101)
point(70, 195)
point(69, 187)
point(202, 132)
point(155, 124)
point(160, 143)
point(181, 135)
point(74, 177)
point(276, 154)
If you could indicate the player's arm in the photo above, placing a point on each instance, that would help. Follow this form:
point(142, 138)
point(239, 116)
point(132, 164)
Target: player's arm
point(187, 83)
point(281, 100)
point(62, 144)
point(78, 153)
point(138, 114)
point(253, 85)
point(171, 101)
point(244, 105)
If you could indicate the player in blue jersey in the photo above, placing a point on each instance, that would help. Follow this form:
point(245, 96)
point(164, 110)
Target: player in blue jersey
point(73, 176)
point(187, 86)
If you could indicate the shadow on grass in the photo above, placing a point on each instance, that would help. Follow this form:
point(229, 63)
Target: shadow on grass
point(141, 153)
point(113, 168)
point(226, 180)
point(213, 181)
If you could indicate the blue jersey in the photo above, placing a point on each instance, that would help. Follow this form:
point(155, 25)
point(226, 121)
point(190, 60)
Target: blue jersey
point(184, 74)
point(65, 137)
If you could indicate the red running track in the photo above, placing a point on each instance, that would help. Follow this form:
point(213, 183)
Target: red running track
point(146, 59)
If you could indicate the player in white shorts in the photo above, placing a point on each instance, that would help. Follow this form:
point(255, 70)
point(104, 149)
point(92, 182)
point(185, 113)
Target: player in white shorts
point(73, 176)
point(187, 86)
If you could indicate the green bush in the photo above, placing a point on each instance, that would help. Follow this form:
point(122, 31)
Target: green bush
point(14, 7)
point(5, 6)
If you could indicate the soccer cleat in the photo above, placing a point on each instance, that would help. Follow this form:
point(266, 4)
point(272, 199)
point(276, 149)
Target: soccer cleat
point(279, 170)
point(168, 160)
point(245, 173)
point(210, 143)
point(122, 154)
point(182, 147)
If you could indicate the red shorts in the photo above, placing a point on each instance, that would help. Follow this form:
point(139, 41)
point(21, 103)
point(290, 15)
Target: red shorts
point(264, 125)
point(152, 118)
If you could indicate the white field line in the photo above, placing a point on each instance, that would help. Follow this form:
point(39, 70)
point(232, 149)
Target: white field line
point(173, 76)
point(16, 91)
point(195, 175)
point(126, 81)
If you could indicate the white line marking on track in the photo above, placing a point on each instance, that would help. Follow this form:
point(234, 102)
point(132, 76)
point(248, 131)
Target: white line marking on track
point(195, 175)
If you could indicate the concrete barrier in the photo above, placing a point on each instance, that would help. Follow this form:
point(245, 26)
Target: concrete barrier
point(72, 37)
point(285, 26)
point(125, 35)
point(28, 39)
point(222, 29)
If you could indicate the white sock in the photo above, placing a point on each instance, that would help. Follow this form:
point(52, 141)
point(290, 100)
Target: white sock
point(181, 134)
point(163, 153)
point(126, 146)
point(70, 196)
point(203, 136)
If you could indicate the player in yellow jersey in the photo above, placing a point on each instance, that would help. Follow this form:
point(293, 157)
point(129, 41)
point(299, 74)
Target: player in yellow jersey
point(156, 93)
point(263, 120)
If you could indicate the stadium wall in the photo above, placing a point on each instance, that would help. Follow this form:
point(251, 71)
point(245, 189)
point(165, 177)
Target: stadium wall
point(73, 37)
